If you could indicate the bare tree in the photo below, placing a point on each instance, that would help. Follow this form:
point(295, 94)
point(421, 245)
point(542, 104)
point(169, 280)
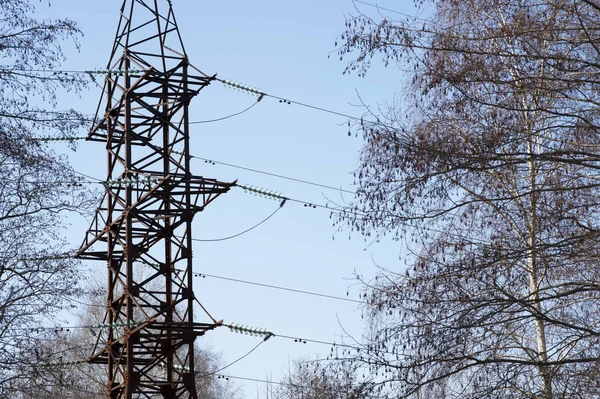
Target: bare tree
point(59, 369)
point(57, 365)
point(489, 176)
point(310, 379)
point(208, 383)
point(38, 188)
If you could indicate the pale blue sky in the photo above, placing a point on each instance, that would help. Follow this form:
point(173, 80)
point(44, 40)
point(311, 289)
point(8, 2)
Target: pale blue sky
point(282, 48)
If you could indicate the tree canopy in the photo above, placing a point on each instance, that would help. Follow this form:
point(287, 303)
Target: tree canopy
point(488, 174)
point(38, 188)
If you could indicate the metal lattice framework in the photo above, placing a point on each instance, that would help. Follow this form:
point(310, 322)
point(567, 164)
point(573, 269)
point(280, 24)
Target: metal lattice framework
point(144, 222)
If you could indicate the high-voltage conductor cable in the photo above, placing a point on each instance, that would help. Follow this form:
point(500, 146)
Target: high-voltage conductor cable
point(388, 9)
point(261, 94)
point(226, 82)
point(228, 164)
point(286, 384)
point(277, 287)
point(242, 232)
point(213, 162)
point(263, 332)
point(227, 116)
point(235, 280)
point(250, 189)
point(217, 375)
point(233, 327)
point(262, 341)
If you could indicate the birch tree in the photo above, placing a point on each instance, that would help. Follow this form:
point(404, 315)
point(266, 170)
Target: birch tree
point(488, 173)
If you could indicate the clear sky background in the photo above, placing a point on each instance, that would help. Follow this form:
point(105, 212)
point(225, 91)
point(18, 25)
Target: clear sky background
point(284, 48)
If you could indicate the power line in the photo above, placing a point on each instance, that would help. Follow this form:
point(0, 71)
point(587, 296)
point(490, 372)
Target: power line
point(226, 82)
point(227, 377)
point(210, 161)
point(228, 116)
point(242, 329)
point(265, 334)
point(245, 231)
point(219, 376)
point(307, 204)
point(88, 176)
point(94, 305)
point(270, 194)
point(237, 360)
point(264, 285)
point(231, 165)
point(91, 73)
point(306, 105)
point(314, 341)
point(283, 100)
point(388, 9)
point(58, 256)
point(252, 91)
point(289, 384)
point(204, 275)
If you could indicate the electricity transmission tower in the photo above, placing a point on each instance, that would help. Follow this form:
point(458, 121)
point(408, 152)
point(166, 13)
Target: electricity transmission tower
point(144, 222)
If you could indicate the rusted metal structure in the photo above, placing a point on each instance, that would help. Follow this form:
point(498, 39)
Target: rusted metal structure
point(142, 228)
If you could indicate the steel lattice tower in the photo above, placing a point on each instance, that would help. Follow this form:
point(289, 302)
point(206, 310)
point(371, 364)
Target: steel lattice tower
point(144, 221)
